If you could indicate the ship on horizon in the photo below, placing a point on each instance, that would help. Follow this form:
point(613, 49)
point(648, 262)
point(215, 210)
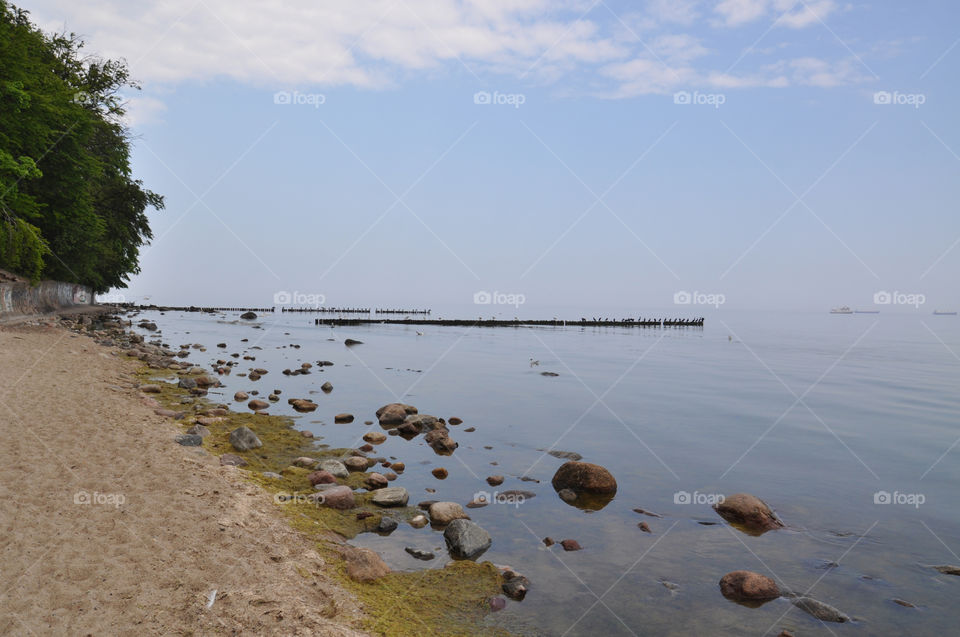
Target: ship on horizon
point(843, 309)
point(942, 313)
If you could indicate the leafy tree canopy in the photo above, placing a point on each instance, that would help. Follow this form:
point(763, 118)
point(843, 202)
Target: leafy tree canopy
point(70, 208)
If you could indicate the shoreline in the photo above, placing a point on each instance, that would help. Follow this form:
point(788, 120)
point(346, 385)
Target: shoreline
point(222, 527)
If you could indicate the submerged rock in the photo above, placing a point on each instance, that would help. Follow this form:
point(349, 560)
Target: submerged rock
point(243, 439)
point(947, 569)
point(748, 586)
point(584, 477)
point(823, 612)
point(394, 413)
point(494, 481)
point(570, 545)
point(426, 556)
point(515, 585)
point(748, 512)
point(343, 418)
point(466, 539)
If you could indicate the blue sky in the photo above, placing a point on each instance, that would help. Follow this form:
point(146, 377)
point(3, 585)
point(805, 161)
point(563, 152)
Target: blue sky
point(631, 150)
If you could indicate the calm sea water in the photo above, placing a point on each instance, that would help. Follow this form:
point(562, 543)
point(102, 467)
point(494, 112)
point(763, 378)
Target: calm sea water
point(814, 413)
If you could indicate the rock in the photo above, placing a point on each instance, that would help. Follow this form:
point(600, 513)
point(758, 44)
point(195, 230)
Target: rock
point(644, 527)
point(549, 541)
point(466, 539)
point(374, 437)
point(169, 413)
point(549, 374)
point(240, 396)
point(187, 383)
point(584, 477)
point(903, 602)
point(304, 461)
point(470, 430)
point(273, 398)
point(423, 421)
point(366, 448)
point(363, 565)
point(321, 477)
point(441, 442)
point(205, 381)
point(497, 604)
point(327, 387)
point(439, 473)
point(515, 585)
point(303, 405)
point(306, 434)
point(221, 345)
point(419, 521)
point(426, 556)
point(386, 525)
point(243, 439)
point(334, 467)
point(199, 430)
point(272, 475)
point(356, 463)
point(749, 512)
point(249, 316)
point(407, 429)
point(230, 460)
point(399, 467)
point(443, 513)
point(494, 481)
point(338, 497)
point(748, 586)
point(391, 497)
point(351, 341)
point(392, 414)
point(343, 418)
point(948, 569)
point(455, 421)
point(189, 440)
point(477, 503)
point(567, 495)
point(257, 404)
point(375, 481)
point(570, 545)
point(390, 475)
point(565, 455)
point(150, 389)
point(823, 612)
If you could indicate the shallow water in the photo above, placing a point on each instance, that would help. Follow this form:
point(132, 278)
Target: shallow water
point(813, 413)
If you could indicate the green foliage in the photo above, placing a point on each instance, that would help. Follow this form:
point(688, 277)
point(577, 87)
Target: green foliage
point(66, 186)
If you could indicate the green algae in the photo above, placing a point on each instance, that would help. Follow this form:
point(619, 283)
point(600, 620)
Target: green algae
point(450, 601)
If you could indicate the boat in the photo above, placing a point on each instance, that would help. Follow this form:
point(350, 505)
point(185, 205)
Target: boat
point(866, 311)
point(843, 309)
point(940, 313)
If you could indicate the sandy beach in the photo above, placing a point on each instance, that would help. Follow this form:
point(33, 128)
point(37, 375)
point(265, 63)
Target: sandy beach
point(109, 528)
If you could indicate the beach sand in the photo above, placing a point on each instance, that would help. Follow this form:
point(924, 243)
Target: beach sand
point(109, 527)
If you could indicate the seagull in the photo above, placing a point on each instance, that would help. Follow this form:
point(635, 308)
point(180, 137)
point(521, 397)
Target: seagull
point(419, 333)
point(534, 363)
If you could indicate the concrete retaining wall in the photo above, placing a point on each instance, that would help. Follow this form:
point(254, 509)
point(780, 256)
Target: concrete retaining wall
point(19, 298)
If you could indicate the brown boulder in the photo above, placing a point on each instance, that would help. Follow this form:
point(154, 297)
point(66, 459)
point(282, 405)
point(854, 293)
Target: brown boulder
point(748, 586)
point(257, 404)
point(363, 565)
point(584, 477)
point(300, 404)
point(749, 512)
point(343, 418)
point(321, 477)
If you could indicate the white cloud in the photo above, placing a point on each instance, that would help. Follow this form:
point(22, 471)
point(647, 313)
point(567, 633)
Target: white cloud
point(791, 13)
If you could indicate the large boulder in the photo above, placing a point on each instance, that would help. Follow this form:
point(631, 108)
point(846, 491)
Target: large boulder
point(749, 512)
point(338, 497)
point(443, 513)
point(748, 586)
point(390, 497)
point(584, 477)
point(466, 539)
point(243, 439)
point(394, 413)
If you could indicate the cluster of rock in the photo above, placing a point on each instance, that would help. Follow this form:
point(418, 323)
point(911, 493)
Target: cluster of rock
point(406, 421)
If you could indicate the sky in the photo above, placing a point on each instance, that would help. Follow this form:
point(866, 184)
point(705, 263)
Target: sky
point(577, 154)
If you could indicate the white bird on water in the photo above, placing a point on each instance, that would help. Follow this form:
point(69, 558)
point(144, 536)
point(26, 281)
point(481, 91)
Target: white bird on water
point(419, 333)
point(534, 363)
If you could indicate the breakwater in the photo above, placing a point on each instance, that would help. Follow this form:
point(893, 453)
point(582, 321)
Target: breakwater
point(660, 322)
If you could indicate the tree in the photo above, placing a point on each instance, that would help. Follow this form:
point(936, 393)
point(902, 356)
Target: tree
point(68, 199)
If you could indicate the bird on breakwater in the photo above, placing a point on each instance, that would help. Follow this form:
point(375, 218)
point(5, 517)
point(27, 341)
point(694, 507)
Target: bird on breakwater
point(534, 363)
